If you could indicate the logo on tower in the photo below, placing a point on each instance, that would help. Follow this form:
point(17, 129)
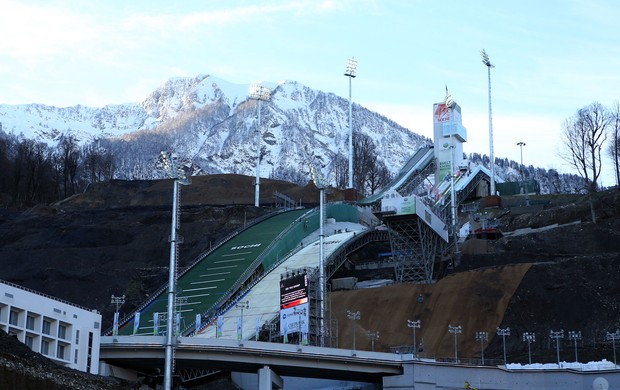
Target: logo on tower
point(442, 114)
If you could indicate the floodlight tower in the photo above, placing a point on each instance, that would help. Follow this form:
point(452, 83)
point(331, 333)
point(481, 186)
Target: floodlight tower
point(373, 336)
point(353, 316)
point(530, 338)
point(503, 332)
point(117, 302)
point(350, 73)
point(320, 184)
point(260, 93)
point(482, 336)
point(575, 336)
point(179, 177)
point(613, 337)
point(557, 335)
point(456, 330)
point(527, 196)
point(414, 324)
point(489, 65)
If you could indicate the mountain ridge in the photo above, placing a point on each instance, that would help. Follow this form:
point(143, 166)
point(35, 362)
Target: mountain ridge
point(212, 126)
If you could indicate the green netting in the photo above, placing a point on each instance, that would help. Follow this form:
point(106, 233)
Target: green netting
point(303, 227)
point(517, 187)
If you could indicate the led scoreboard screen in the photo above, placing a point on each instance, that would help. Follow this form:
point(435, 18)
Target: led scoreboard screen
point(293, 291)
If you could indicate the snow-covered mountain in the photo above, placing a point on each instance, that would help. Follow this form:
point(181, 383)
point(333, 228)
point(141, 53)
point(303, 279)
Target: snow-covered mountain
point(212, 125)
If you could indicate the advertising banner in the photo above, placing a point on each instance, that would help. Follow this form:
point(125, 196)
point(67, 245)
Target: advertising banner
point(293, 291)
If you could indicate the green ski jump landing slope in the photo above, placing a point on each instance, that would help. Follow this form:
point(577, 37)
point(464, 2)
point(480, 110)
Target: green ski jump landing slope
point(260, 246)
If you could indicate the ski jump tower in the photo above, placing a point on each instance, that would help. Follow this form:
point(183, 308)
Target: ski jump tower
point(448, 137)
point(421, 229)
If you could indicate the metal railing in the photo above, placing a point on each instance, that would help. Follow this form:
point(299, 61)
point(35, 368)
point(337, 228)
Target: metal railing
point(47, 296)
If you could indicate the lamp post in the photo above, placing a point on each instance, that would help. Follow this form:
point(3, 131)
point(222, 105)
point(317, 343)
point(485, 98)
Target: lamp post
point(242, 305)
point(415, 325)
point(523, 183)
point(575, 336)
point(450, 103)
point(350, 73)
point(487, 63)
point(557, 336)
point(613, 337)
point(456, 330)
point(482, 337)
point(373, 336)
point(530, 338)
point(260, 93)
point(117, 302)
point(353, 316)
point(503, 332)
point(320, 184)
point(178, 175)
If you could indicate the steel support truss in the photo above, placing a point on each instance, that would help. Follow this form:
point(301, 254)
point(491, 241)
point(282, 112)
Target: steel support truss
point(332, 264)
point(415, 246)
point(188, 375)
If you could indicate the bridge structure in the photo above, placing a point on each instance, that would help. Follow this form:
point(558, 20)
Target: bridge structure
point(267, 366)
point(195, 354)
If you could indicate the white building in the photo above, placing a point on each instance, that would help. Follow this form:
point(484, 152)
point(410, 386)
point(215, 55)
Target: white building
point(64, 332)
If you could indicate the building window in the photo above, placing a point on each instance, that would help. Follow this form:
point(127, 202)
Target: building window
point(13, 317)
point(29, 342)
point(30, 322)
point(47, 327)
point(77, 337)
point(75, 358)
point(60, 351)
point(45, 347)
point(62, 332)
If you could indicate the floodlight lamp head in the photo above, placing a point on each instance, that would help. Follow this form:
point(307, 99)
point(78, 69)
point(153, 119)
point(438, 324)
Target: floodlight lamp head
point(260, 92)
point(351, 67)
point(317, 177)
point(485, 59)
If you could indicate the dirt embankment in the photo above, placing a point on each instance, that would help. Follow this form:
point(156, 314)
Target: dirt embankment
point(561, 278)
point(475, 300)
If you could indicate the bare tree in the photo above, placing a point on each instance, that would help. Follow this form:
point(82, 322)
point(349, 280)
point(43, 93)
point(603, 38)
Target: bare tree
point(69, 159)
point(378, 176)
point(364, 157)
point(340, 170)
point(98, 163)
point(614, 147)
point(583, 136)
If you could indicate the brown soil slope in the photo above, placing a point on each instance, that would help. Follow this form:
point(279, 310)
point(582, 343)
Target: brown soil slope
point(475, 300)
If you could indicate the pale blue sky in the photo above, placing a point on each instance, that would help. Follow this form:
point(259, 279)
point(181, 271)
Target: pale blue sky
point(552, 57)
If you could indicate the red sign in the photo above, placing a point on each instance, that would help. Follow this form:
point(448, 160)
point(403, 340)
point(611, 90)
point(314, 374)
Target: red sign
point(442, 114)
